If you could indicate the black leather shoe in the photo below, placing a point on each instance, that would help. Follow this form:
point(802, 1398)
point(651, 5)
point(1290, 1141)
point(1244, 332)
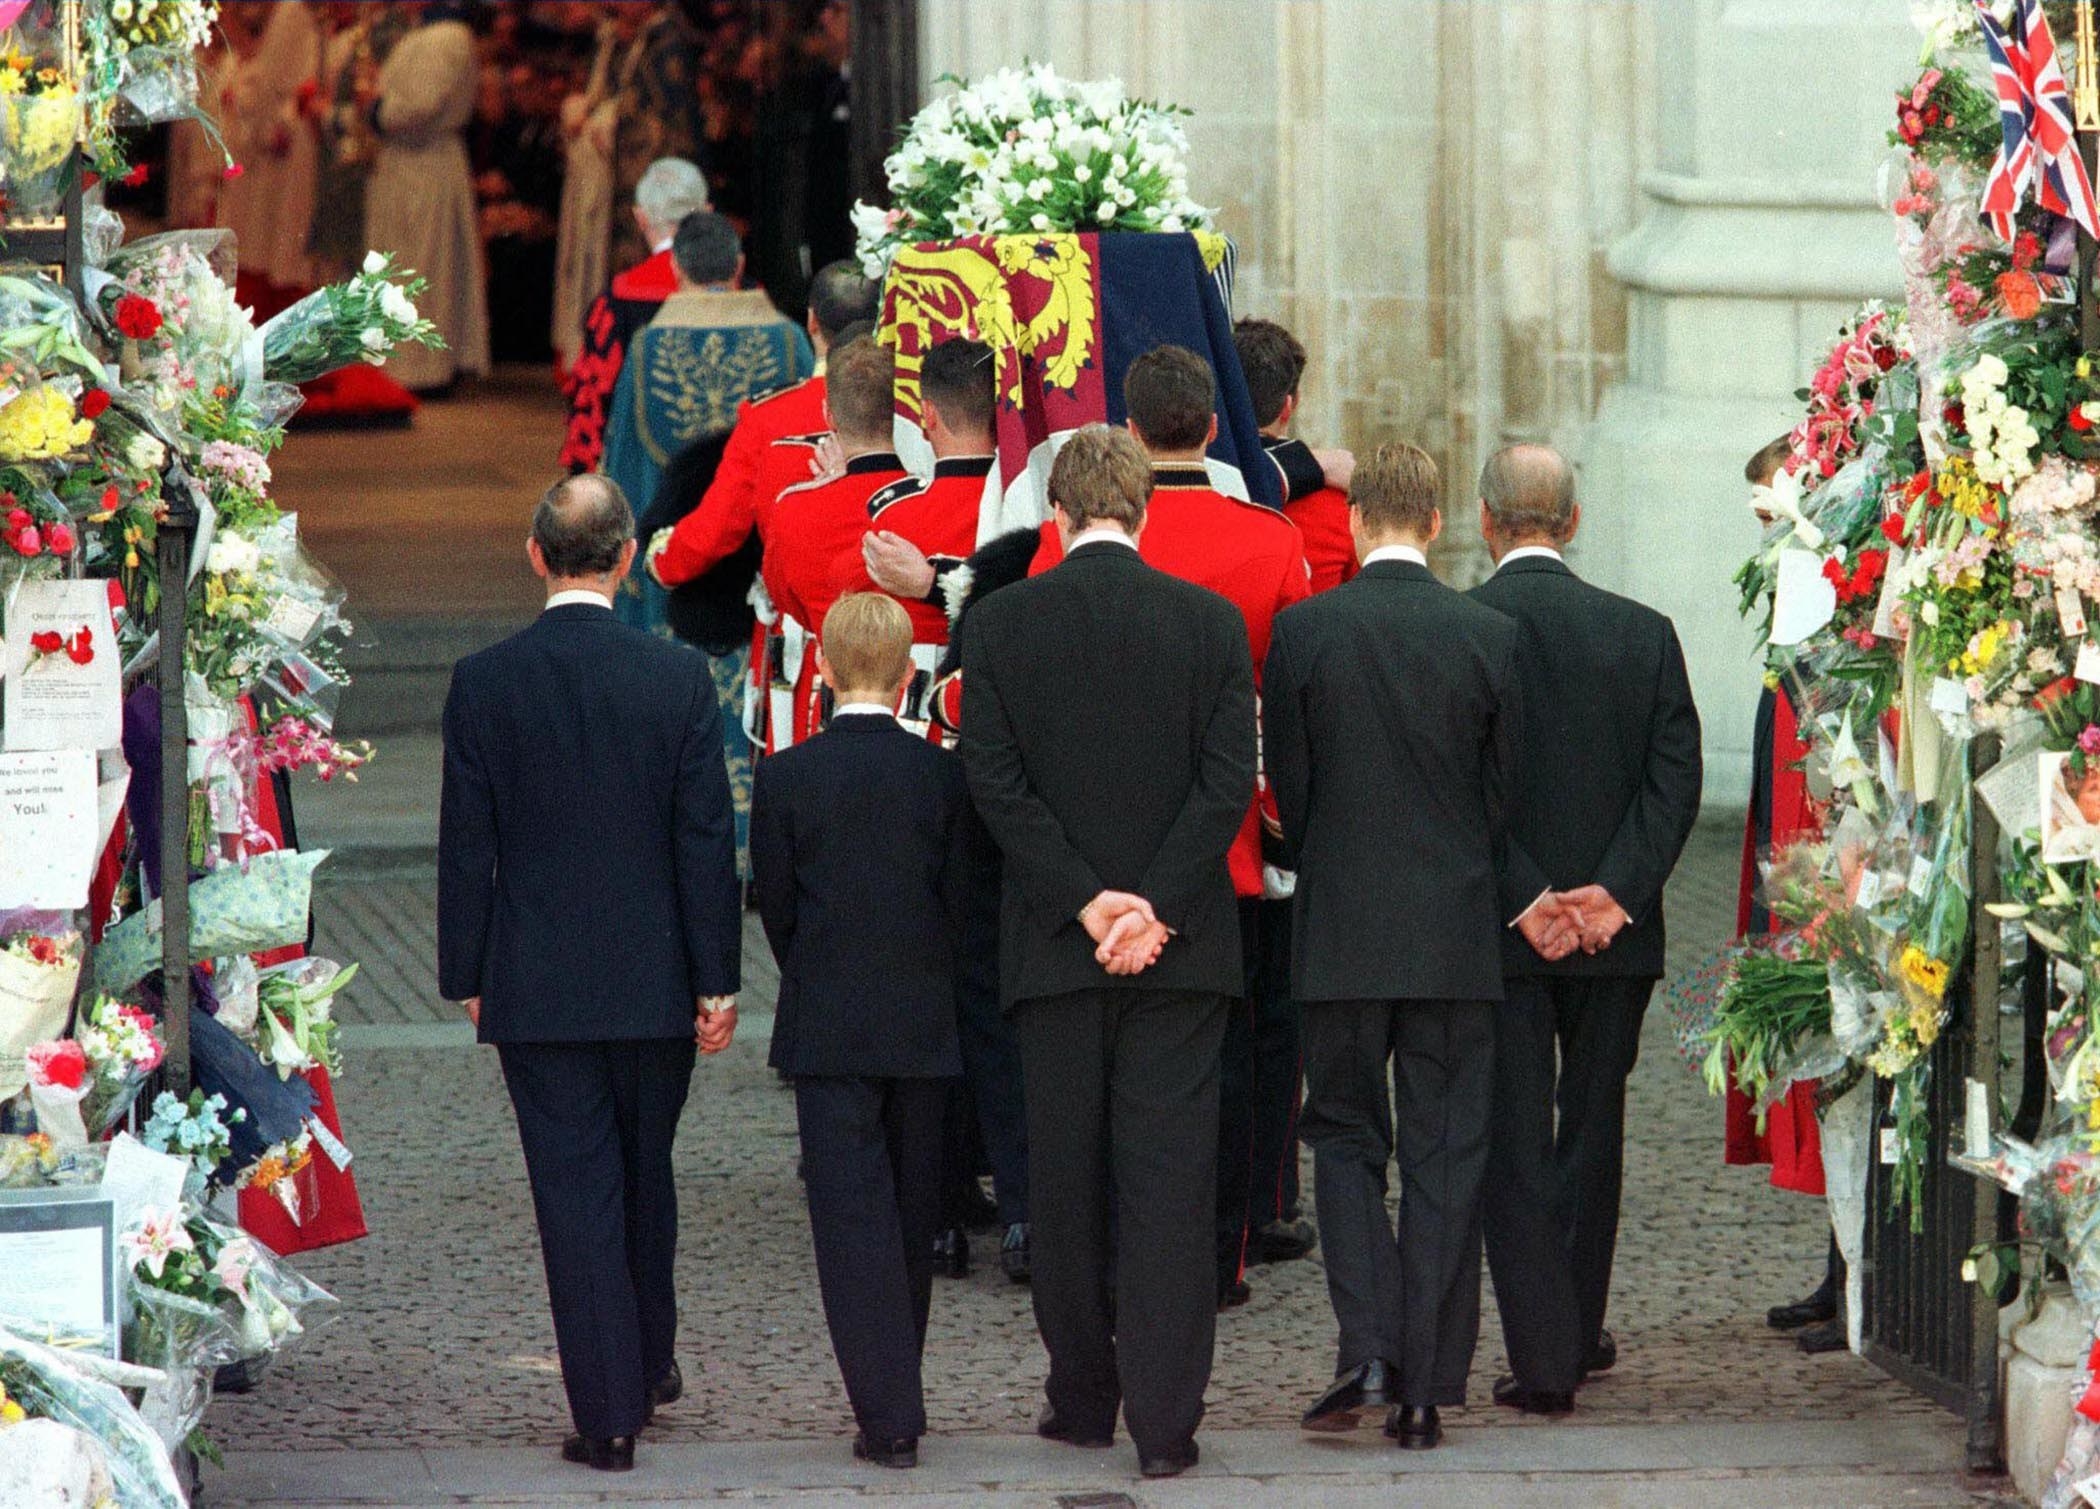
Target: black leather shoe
point(669, 1387)
point(904, 1453)
point(1360, 1388)
point(951, 1253)
point(1603, 1356)
point(1828, 1337)
point(604, 1453)
point(1013, 1252)
point(1234, 1295)
point(1532, 1401)
point(1052, 1426)
point(1819, 1307)
point(1283, 1242)
point(1171, 1465)
point(1414, 1427)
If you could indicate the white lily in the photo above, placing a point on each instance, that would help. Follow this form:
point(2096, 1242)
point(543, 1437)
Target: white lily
point(1782, 500)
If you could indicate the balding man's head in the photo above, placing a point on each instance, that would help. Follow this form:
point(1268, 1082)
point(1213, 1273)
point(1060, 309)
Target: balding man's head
point(1527, 496)
point(582, 528)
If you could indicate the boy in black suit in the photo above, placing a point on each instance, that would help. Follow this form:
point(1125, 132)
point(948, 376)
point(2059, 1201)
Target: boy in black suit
point(860, 858)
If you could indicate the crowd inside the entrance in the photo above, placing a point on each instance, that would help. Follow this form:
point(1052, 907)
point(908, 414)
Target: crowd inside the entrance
point(1117, 855)
point(486, 146)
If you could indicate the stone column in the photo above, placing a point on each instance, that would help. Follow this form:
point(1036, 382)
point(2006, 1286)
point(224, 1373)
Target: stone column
point(1762, 234)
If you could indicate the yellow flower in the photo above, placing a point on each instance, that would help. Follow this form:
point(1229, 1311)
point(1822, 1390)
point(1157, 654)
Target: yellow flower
point(1962, 490)
point(1925, 1022)
point(39, 425)
point(1922, 970)
point(38, 130)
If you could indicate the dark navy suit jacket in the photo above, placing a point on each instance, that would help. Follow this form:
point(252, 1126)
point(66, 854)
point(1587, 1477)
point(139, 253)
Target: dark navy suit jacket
point(863, 857)
point(587, 886)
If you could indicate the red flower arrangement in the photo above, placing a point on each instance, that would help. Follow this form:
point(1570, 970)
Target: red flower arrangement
point(59, 1065)
point(138, 318)
point(27, 538)
point(94, 403)
point(1862, 580)
point(1916, 112)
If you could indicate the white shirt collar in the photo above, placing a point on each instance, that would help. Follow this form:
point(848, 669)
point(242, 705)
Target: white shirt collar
point(1524, 552)
point(1396, 553)
point(863, 709)
point(1101, 532)
point(583, 596)
point(663, 245)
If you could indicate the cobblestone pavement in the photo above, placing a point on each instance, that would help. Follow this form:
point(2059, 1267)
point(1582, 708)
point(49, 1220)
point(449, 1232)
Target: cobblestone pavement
point(444, 1339)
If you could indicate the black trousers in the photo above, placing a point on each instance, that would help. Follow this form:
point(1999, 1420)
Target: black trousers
point(1598, 1024)
point(597, 1122)
point(1258, 1080)
point(871, 1166)
point(1527, 1247)
point(991, 1056)
point(1411, 1298)
point(1122, 1089)
point(1279, 1071)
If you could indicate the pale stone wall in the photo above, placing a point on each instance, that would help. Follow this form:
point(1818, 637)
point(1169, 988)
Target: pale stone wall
point(1507, 221)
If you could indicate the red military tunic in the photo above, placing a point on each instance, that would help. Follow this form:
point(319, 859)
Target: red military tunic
point(768, 452)
point(1320, 512)
point(1247, 554)
point(805, 532)
point(937, 514)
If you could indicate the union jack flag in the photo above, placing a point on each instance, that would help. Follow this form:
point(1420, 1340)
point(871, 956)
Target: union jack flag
point(2040, 147)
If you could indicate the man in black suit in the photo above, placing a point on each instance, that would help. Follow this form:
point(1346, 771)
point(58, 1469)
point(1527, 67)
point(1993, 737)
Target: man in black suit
point(588, 916)
point(1390, 724)
point(861, 853)
point(1108, 731)
point(1609, 792)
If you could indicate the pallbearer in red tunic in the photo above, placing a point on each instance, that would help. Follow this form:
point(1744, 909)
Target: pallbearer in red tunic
point(1251, 556)
point(938, 514)
point(774, 442)
point(812, 525)
point(671, 189)
point(1274, 363)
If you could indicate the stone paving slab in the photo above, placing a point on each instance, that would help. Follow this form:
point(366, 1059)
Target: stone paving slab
point(1834, 1464)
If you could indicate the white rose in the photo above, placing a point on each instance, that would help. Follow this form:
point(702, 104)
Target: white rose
point(1039, 190)
point(1105, 211)
point(396, 305)
point(1040, 221)
point(374, 340)
point(1083, 174)
point(375, 263)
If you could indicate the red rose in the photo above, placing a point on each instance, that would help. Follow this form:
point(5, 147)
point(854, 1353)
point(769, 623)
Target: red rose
point(137, 177)
point(94, 403)
point(1892, 529)
point(111, 498)
point(1884, 357)
point(81, 651)
point(44, 950)
point(46, 642)
point(1834, 572)
point(137, 317)
point(59, 538)
point(26, 541)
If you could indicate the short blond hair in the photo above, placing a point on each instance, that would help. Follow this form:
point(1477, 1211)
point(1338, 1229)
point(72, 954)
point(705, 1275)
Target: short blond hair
point(1102, 475)
point(867, 642)
point(1397, 490)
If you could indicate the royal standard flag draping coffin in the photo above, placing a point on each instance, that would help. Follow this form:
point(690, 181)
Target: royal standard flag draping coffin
point(1066, 313)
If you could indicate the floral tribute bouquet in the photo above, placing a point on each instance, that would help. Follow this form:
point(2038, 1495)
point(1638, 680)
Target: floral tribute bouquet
point(361, 320)
point(1945, 474)
point(1026, 150)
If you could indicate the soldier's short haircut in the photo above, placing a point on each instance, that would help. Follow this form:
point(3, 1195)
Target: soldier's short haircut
point(841, 295)
point(1528, 490)
point(706, 247)
point(961, 378)
point(1102, 476)
point(859, 384)
point(670, 189)
point(867, 642)
point(1762, 467)
point(582, 524)
point(1170, 395)
point(1274, 362)
point(1396, 490)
